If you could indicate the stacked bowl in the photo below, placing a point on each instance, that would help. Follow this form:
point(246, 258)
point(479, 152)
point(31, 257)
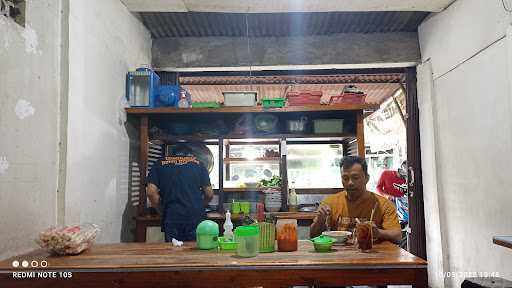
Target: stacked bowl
point(272, 200)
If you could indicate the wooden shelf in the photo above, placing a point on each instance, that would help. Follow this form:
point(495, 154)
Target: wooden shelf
point(262, 159)
point(254, 109)
point(257, 189)
point(277, 215)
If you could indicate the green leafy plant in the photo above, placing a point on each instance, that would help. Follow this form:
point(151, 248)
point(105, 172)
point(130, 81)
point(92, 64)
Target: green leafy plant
point(273, 182)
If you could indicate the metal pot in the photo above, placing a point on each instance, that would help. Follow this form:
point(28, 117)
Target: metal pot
point(297, 125)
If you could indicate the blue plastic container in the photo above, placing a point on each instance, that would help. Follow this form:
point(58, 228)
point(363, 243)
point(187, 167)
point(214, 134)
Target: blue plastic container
point(168, 96)
point(142, 87)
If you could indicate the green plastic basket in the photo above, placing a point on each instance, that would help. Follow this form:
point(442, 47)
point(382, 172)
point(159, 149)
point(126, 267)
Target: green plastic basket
point(227, 245)
point(208, 104)
point(274, 103)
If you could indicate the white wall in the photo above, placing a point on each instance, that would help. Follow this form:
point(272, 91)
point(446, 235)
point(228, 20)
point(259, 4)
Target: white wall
point(467, 123)
point(105, 42)
point(29, 78)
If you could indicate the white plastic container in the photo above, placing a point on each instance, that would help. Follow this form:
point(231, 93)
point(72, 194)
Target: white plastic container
point(322, 126)
point(240, 98)
point(228, 228)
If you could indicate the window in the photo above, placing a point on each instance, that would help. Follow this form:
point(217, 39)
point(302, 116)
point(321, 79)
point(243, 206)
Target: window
point(214, 174)
point(249, 163)
point(314, 165)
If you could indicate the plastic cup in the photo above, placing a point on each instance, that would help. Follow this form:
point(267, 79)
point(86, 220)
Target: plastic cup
point(364, 236)
point(235, 208)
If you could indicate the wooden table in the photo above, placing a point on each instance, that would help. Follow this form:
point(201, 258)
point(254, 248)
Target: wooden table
point(505, 241)
point(160, 265)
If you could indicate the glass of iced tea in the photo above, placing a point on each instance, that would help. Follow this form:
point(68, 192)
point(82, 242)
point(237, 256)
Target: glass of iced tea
point(364, 236)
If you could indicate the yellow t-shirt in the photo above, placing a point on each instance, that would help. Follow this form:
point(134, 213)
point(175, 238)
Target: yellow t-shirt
point(344, 213)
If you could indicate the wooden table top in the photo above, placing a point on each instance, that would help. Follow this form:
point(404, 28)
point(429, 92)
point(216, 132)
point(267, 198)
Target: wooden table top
point(505, 241)
point(162, 256)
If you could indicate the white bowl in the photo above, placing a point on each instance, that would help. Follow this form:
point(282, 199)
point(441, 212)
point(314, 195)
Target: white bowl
point(340, 236)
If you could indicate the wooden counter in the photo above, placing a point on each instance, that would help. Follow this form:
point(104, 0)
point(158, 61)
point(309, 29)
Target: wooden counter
point(161, 265)
point(277, 215)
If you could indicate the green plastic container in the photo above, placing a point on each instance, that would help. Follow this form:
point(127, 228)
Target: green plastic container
point(267, 237)
point(207, 104)
point(227, 245)
point(323, 243)
point(207, 233)
point(248, 240)
point(274, 103)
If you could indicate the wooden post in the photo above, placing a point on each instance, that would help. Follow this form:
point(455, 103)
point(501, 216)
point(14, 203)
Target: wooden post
point(220, 207)
point(360, 134)
point(140, 234)
point(283, 171)
point(416, 206)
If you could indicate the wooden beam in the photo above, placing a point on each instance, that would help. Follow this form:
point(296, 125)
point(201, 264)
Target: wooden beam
point(254, 109)
point(360, 135)
point(140, 229)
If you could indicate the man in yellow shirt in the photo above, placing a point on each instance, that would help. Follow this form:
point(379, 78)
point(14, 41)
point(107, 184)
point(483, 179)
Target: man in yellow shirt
point(340, 210)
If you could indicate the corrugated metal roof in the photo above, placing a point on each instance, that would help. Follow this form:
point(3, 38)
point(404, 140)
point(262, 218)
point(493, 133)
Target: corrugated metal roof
point(376, 93)
point(204, 24)
point(293, 79)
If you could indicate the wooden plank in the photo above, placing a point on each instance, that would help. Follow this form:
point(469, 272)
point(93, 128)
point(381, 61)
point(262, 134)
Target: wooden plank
point(257, 189)
point(334, 137)
point(277, 215)
point(220, 207)
point(262, 159)
point(140, 227)
point(253, 109)
point(228, 278)
point(228, 168)
point(294, 215)
point(318, 190)
point(505, 241)
point(283, 172)
point(164, 257)
point(360, 135)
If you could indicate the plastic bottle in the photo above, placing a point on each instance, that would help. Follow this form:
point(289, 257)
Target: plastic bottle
point(228, 228)
point(183, 103)
point(292, 198)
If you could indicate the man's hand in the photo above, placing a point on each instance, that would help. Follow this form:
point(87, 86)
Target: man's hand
point(323, 212)
point(153, 194)
point(394, 236)
point(318, 225)
point(208, 195)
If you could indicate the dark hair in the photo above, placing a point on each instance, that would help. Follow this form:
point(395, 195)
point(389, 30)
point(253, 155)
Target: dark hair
point(348, 161)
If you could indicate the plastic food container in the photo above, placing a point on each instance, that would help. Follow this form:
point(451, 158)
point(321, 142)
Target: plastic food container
point(267, 237)
point(227, 245)
point(274, 103)
point(209, 104)
point(207, 233)
point(304, 98)
point(287, 239)
point(323, 243)
point(239, 98)
point(322, 126)
point(248, 240)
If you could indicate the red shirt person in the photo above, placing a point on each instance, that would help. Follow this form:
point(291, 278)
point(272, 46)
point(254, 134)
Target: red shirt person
point(390, 182)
